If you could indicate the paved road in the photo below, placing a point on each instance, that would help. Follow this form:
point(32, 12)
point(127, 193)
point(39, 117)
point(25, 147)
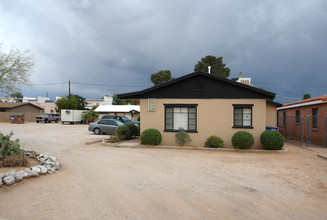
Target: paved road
point(98, 182)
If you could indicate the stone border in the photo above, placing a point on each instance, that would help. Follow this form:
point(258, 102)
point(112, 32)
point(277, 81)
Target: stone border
point(48, 164)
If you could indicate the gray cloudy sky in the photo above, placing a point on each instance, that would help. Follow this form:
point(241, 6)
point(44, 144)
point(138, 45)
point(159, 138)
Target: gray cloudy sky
point(280, 44)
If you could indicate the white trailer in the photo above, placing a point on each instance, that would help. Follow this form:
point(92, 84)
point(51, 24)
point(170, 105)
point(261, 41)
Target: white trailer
point(71, 116)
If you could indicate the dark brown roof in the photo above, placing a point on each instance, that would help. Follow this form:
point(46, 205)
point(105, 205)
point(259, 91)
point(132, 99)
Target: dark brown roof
point(200, 85)
point(10, 105)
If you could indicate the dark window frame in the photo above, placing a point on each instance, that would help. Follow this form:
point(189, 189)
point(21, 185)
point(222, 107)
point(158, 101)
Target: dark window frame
point(242, 106)
point(284, 118)
point(315, 118)
point(188, 116)
point(297, 116)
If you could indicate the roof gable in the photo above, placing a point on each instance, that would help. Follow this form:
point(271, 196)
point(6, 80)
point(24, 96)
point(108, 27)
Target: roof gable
point(9, 105)
point(200, 85)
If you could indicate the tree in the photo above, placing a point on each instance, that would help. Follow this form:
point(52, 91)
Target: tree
point(118, 101)
point(160, 77)
point(81, 103)
point(18, 97)
point(217, 66)
point(306, 96)
point(15, 70)
point(71, 102)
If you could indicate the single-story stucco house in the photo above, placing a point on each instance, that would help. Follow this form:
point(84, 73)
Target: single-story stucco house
point(29, 110)
point(203, 105)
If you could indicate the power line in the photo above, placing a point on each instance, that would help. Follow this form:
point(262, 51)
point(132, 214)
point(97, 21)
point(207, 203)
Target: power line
point(48, 84)
point(94, 84)
point(290, 84)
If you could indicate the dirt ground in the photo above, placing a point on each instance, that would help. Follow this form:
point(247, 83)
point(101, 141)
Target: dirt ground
point(101, 182)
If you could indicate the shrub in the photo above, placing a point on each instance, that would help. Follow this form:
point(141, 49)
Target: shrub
point(243, 140)
point(123, 132)
point(272, 140)
point(182, 138)
point(132, 128)
point(91, 116)
point(14, 161)
point(151, 136)
point(214, 142)
point(9, 147)
point(114, 139)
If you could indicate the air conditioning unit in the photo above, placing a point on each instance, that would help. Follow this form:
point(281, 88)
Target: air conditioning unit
point(246, 81)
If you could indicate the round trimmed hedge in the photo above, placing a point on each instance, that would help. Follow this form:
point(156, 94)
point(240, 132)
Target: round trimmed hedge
point(132, 128)
point(214, 142)
point(151, 136)
point(243, 140)
point(123, 132)
point(272, 140)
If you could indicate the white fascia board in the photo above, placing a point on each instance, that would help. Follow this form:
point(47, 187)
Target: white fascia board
point(301, 104)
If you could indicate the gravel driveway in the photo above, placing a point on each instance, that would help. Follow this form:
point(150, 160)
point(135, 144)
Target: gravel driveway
point(100, 182)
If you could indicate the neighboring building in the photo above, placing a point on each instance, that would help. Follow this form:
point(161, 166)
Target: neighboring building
point(29, 110)
point(130, 111)
point(44, 102)
point(6, 99)
point(203, 105)
point(96, 102)
point(304, 119)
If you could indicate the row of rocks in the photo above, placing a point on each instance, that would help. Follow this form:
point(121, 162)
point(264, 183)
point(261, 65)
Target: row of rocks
point(48, 164)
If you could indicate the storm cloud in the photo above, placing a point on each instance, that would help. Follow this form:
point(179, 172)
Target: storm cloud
point(114, 46)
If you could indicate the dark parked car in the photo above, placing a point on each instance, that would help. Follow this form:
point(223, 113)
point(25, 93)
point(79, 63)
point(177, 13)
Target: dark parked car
point(123, 119)
point(104, 126)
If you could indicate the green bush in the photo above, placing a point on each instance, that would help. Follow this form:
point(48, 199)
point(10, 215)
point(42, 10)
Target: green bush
point(90, 116)
point(132, 128)
point(182, 138)
point(243, 140)
point(151, 136)
point(123, 132)
point(214, 142)
point(272, 140)
point(9, 147)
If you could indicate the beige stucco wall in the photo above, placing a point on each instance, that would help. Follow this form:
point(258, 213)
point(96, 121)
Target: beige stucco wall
point(214, 117)
point(28, 116)
point(49, 107)
point(271, 116)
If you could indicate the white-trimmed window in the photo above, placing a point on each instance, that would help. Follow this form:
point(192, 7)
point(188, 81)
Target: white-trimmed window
point(242, 116)
point(180, 117)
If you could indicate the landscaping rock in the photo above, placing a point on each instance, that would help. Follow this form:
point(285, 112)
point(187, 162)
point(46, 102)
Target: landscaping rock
point(2, 175)
point(11, 172)
point(36, 169)
point(51, 170)
point(31, 172)
point(23, 173)
point(9, 180)
point(43, 169)
point(18, 176)
point(48, 164)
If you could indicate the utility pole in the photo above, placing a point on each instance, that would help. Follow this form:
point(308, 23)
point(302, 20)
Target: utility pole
point(69, 89)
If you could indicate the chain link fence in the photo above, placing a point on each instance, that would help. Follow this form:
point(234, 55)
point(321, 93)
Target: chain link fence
point(304, 130)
